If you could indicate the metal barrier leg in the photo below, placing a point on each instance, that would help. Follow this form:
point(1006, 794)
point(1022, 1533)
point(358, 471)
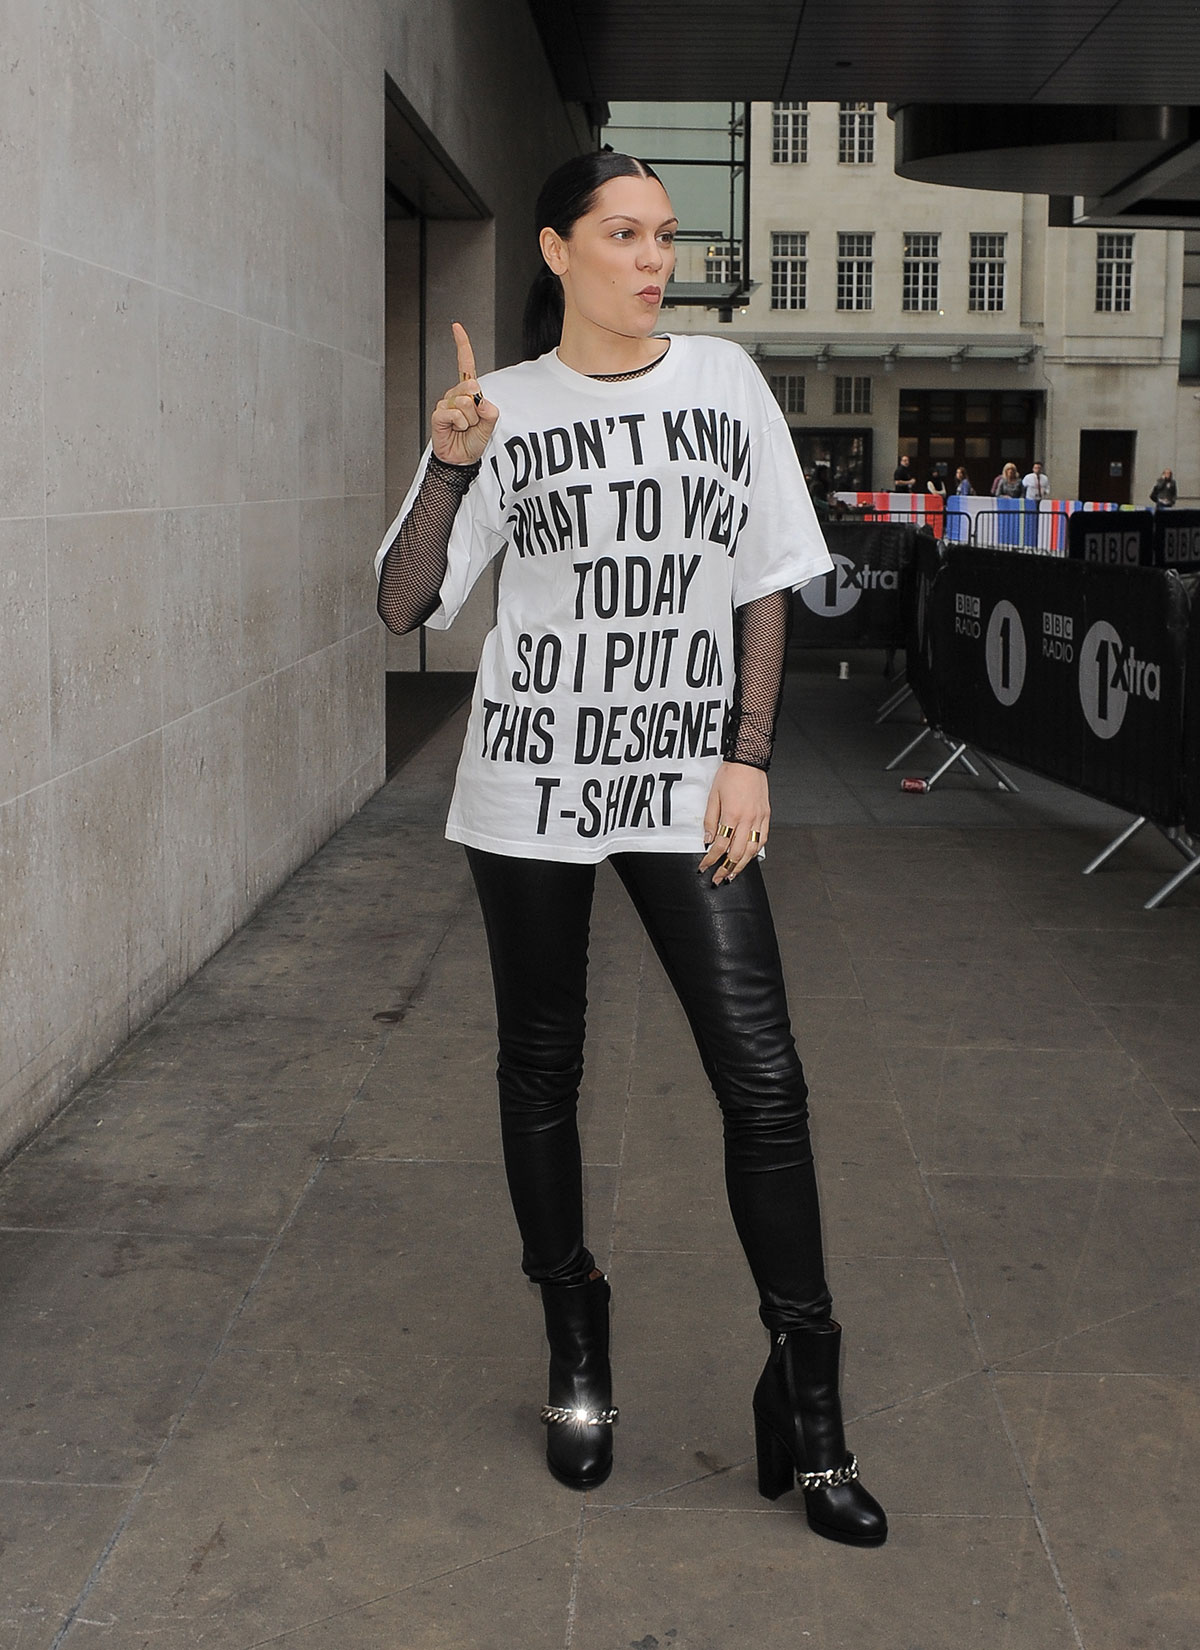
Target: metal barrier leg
point(1180, 840)
point(955, 754)
point(1177, 881)
point(965, 760)
point(1005, 782)
point(1126, 835)
point(911, 746)
point(893, 702)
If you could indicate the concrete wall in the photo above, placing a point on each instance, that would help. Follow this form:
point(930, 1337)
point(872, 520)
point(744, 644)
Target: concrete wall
point(192, 465)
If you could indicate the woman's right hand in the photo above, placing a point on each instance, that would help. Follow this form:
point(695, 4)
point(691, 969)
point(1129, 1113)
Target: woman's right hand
point(463, 419)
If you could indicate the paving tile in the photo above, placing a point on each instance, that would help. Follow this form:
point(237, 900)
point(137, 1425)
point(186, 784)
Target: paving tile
point(872, 1199)
point(696, 1580)
point(1162, 1040)
point(672, 1178)
point(1041, 1258)
point(1037, 1111)
point(105, 1338)
point(411, 1249)
point(906, 927)
point(519, 1597)
point(51, 1535)
point(121, 1162)
point(241, 1044)
point(1147, 966)
point(260, 1523)
point(838, 1047)
point(904, 1330)
point(816, 960)
point(1161, 1337)
point(1088, 1441)
point(448, 1119)
point(970, 1005)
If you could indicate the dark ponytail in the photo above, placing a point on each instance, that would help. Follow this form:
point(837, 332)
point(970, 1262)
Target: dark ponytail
point(567, 195)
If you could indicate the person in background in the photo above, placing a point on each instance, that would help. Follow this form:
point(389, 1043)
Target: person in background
point(1164, 492)
point(1008, 483)
point(1037, 482)
point(937, 481)
point(962, 484)
point(904, 477)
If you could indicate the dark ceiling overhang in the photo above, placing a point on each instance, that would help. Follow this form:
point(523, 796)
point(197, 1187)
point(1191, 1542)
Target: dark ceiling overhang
point(991, 86)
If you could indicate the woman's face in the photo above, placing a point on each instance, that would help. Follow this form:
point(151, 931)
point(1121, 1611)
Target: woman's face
point(618, 258)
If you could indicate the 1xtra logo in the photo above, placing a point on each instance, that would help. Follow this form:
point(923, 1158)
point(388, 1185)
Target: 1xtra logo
point(839, 591)
point(1004, 651)
point(1110, 674)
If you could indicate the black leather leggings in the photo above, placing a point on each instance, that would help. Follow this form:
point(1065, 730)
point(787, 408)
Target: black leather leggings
point(720, 953)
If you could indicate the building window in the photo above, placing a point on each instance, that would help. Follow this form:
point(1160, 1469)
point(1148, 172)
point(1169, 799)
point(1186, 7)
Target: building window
point(721, 263)
point(855, 267)
point(1114, 272)
point(856, 134)
point(789, 133)
point(921, 271)
point(788, 390)
point(789, 270)
point(852, 395)
point(986, 278)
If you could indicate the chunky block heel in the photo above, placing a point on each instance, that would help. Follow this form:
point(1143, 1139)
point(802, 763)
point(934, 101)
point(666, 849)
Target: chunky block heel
point(776, 1474)
point(799, 1439)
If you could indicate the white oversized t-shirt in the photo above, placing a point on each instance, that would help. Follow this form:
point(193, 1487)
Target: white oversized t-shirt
point(634, 517)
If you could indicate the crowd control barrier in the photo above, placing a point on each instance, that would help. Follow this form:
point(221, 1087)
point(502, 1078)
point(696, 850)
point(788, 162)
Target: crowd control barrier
point(1073, 671)
point(1124, 539)
point(1185, 839)
point(980, 519)
point(1177, 540)
point(857, 604)
point(1137, 538)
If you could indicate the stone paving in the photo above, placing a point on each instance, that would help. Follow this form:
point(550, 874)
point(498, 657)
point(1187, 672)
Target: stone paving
point(270, 1374)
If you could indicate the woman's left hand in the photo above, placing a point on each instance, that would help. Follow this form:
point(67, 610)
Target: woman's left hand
point(736, 821)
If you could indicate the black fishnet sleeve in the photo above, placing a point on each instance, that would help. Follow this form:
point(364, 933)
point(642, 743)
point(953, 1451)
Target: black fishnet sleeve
point(412, 573)
point(760, 637)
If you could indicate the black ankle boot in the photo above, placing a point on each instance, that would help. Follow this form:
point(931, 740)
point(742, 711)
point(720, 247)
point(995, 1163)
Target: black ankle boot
point(579, 1415)
point(798, 1435)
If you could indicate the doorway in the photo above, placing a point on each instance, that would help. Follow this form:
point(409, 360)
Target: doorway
point(1106, 465)
point(979, 429)
point(437, 228)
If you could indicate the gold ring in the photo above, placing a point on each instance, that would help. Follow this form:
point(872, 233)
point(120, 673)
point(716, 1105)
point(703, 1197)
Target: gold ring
point(724, 830)
point(754, 836)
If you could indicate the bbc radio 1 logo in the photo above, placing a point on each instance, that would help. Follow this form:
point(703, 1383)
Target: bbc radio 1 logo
point(1004, 650)
point(1110, 674)
point(840, 590)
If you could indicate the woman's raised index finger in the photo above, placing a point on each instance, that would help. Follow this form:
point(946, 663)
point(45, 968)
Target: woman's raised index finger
point(466, 356)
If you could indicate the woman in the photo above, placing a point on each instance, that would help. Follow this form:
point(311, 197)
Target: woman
point(962, 483)
point(642, 487)
point(1008, 483)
